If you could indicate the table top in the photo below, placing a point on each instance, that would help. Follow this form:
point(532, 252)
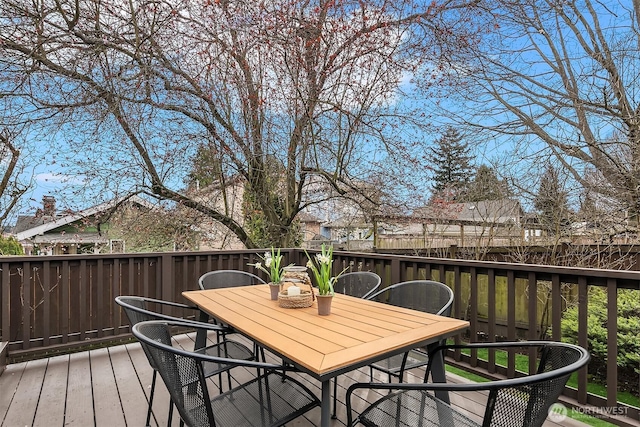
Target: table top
point(356, 333)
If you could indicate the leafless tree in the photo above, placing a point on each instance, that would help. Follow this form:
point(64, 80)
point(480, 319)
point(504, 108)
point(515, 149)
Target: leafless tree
point(12, 185)
point(138, 88)
point(562, 76)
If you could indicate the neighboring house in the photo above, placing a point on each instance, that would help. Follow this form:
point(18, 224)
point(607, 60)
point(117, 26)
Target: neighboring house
point(348, 233)
point(50, 232)
point(489, 222)
point(315, 221)
point(533, 231)
point(346, 217)
point(228, 197)
point(310, 227)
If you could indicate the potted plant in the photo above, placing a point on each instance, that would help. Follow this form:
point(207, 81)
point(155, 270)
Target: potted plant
point(321, 267)
point(272, 266)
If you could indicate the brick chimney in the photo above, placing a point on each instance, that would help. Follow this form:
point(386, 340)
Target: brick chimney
point(48, 205)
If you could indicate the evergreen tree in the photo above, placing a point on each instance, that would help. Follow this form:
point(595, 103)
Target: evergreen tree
point(452, 168)
point(10, 246)
point(206, 168)
point(486, 186)
point(589, 211)
point(551, 202)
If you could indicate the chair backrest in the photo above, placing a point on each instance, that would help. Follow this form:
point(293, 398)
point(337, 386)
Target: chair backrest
point(183, 375)
point(135, 308)
point(183, 371)
point(528, 401)
point(227, 279)
point(142, 309)
point(357, 284)
point(424, 295)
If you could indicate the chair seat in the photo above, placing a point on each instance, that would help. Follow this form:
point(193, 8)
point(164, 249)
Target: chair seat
point(413, 408)
point(392, 364)
point(228, 349)
point(267, 400)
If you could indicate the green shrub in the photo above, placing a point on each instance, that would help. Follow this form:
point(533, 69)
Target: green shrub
point(628, 356)
point(10, 246)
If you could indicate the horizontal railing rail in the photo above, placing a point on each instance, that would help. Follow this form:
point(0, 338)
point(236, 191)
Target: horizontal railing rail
point(57, 303)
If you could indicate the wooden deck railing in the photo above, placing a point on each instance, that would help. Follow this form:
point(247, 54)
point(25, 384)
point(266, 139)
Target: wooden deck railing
point(51, 304)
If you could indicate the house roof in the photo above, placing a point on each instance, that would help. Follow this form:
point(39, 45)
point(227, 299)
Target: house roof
point(26, 222)
point(307, 217)
point(347, 223)
point(487, 211)
point(30, 226)
point(494, 211)
point(66, 238)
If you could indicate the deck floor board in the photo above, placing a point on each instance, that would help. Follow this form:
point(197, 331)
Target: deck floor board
point(79, 406)
point(110, 387)
point(51, 404)
point(27, 393)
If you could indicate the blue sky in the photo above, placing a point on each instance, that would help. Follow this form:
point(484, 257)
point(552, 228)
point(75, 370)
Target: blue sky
point(53, 178)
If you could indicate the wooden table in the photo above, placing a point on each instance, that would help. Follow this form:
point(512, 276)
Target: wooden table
point(355, 334)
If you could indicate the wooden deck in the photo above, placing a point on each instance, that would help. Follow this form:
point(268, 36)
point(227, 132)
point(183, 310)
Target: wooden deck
point(110, 386)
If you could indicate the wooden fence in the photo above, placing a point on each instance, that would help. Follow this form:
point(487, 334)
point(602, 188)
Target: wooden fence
point(58, 303)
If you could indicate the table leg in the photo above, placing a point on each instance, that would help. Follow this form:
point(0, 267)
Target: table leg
point(325, 404)
point(201, 334)
point(438, 374)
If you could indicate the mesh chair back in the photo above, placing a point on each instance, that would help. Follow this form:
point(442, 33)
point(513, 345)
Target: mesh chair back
point(523, 400)
point(137, 310)
point(359, 284)
point(424, 295)
point(269, 398)
point(182, 375)
point(227, 279)
point(528, 404)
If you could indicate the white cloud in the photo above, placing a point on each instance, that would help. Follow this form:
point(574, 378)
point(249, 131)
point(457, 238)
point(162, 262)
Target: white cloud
point(58, 178)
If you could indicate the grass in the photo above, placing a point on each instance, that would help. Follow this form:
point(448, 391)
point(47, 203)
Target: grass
point(522, 364)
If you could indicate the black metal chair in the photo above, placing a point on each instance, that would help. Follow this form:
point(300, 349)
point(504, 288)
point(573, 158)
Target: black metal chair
point(523, 401)
point(218, 279)
point(267, 399)
point(227, 279)
point(424, 295)
point(359, 284)
point(139, 309)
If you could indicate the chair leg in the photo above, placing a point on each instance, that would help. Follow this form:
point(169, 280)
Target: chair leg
point(170, 416)
point(220, 382)
point(228, 380)
point(153, 388)
point(335, 397)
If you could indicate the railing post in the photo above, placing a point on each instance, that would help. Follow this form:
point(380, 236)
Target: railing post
point(5, 309)
point(5, 315)
point(453, 251)
point(583, 336)
point(4, 345)
point(612, 342)
point(167, 277)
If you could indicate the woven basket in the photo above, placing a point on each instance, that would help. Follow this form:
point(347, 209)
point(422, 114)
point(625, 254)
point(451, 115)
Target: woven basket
point(305, 299)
